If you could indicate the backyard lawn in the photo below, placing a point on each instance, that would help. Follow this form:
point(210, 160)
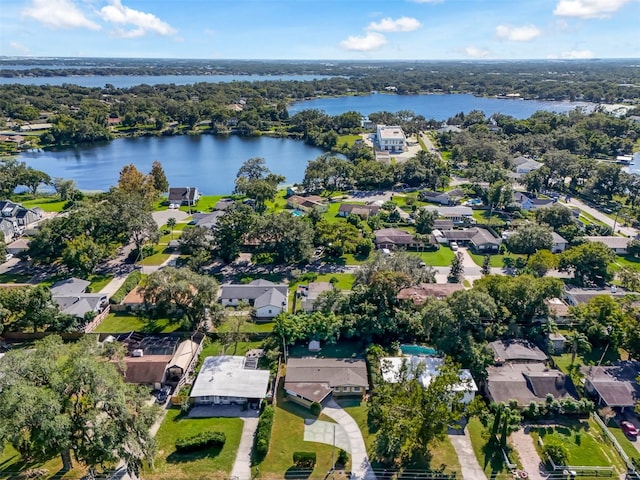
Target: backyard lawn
point(205, 464)
point(249, 327)
point(489, 457)
point(287, 437)
point(348, 139)
point(48, 204)
point(12, 464)
point(584, 441)
point(158, 258)
point(122, 323)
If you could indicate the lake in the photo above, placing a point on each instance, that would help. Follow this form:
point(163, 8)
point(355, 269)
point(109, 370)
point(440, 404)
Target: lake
point(439, 107)
point(204, 161)
point(126, 81)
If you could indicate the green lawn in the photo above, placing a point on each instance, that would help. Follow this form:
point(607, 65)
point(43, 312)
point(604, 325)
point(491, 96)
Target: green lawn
point(159, 256)
point(10, 277)
point(623, 440)
point(287, 437)
point(279, 203)
point(489, 457)
point(345, 280)
point(122, 323)
point(205, 204)
point(348, 139)
point(442, 453)
point(98, 282)
point(331, 215)
point(48, 204)
point(482, 216)
point(440, 258)
point(249, 327)
point(584, 441)
point(628, 261)
point(206, 464)
point(12, 463)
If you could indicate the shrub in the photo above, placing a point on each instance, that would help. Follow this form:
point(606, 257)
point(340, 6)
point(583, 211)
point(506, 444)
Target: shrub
point(304, 459)
point(556, 451)
point(315, 409)
point(200, 441)
point(132, 281)
point(263, 434)
point(343, 457)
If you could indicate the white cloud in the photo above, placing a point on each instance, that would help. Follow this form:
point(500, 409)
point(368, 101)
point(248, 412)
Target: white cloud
point(20, 48)
point(588, 8)
point(402, 24)
point(370, 41)
point(475, 52)
point(525, 33)
point(574, 54)
point(143, 22)
point(58, 14)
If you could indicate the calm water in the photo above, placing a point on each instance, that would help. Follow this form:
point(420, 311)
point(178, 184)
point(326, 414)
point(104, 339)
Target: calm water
point(439, 107)
point(205, 161)
point(125, 81)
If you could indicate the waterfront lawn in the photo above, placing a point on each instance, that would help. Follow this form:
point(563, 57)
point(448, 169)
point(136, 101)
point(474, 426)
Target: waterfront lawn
point(348, 139)
point(117, 322)
point(279, 203)
point(489, 456)
point(287, 437)
point(584, 441)
point(205, 204)
point(207, 463)
point(48, 204)
point(439, 258)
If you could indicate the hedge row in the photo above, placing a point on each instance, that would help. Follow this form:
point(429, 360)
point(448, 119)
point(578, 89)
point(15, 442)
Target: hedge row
point(129, 284)
point(201, 440)
point(263, 434)
point(304, 459)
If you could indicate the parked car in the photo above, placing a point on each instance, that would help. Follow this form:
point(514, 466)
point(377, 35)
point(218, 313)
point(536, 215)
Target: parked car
point(8, 257)
point(629, 429)
point(163, 395)
point(454, 246)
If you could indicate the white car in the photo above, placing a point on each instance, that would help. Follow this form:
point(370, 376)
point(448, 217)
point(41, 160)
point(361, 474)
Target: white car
point(454, 246)
point(8, 257)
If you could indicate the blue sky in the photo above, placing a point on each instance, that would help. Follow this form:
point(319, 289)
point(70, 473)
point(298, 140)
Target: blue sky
point(322, 29)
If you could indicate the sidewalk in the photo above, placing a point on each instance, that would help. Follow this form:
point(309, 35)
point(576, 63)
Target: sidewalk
point(112, 287)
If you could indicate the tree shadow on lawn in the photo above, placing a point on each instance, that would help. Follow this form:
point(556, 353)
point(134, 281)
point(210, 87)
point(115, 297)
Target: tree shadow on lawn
point(493, 458)
point(176, 457)
point(294, 473)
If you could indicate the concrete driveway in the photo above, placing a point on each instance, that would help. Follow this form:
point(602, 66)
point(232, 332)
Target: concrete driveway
point(469, 466)
point(162, 216)
point(242, 465)
point(328, 433)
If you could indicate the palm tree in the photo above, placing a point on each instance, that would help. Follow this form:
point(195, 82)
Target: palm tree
point(579, 341)
point(171, 222)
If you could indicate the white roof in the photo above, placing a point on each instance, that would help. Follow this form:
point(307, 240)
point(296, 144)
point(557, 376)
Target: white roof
point(430, 365)
point(225, 375)
point(459, 211)
point(390, 132)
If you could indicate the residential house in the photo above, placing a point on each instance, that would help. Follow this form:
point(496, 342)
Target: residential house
point(617, 244)
point(478, 239)
point(529, 201)
point(526, 383)
point(394, 238)
point(308, 294)
point(443, 224)
point(449, 129)
point(556, 343)
point(134, 300)
point(224, 204)
point(577, 296)
point(226, 379)
point(516, 350)
point(391, 139)
point(558, 309)
point(525, 165)
point(184, 195)
point(7, 229)
point(14, 218)
point(70, 296)
point(268, 298)
point(559, 243)
point(452, 197)
point(18, 246)
point(429, 368)
point(310, 380)
point(207, 220)
point(418, 294)
point(308, 203)
point(363, 211)
point(458, 214)
point(614, 386)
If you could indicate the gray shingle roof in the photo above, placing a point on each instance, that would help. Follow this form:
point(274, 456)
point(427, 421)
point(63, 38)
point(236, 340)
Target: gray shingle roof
point(517, 350)
point(270, 298)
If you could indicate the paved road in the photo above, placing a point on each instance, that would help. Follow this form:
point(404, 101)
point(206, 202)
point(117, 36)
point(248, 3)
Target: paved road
point(360, 465)
point(469, 465)
point(628, 231)
point(242, 465)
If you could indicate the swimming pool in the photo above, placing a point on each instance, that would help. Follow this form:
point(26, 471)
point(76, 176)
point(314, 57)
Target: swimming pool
point(417, 350)
point(297, 213)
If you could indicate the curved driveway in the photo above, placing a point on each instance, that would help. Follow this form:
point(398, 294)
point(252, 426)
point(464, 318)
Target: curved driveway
point(360, 465)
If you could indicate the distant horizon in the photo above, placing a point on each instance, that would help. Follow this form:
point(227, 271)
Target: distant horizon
point(321, 29)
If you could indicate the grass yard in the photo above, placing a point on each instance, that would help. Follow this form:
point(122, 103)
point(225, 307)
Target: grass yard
point(160, 255)
point(12, 464)
point(443, 455)
point(206, 464)
point(584, 441)
point(590, 358)
point(440, 258)
point(11, 277)
point(122, 323)
point(489, 457)
point(48, 204)
point(98, 282)
point(345, 280)
point(348, 139)
point(279, 203)
point(628, 261)
point(205, 204)
point(287, 437)
point(331, 215)
point(249, 327)
point(482, 216)
point(624, 441)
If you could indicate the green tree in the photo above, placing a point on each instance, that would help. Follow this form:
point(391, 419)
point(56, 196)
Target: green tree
point(64, 399)
point(33, 178)
point(424, 221)
point(629, 279)
point(457, 269)
point(486, 265)
point(288, 238)
point(180, 291)
point(529, 238)
point(339, 238)
point(541, 262)
point(65, 188)
point(158, 178)
point(499, 195)
point(171, 223)
point(579, 342)
point(589, 262)
point(83, 254)
point(256, 181)
point(232, 230)
point(555, 216)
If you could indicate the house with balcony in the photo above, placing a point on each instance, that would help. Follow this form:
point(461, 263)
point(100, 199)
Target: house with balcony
point(391, 139)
